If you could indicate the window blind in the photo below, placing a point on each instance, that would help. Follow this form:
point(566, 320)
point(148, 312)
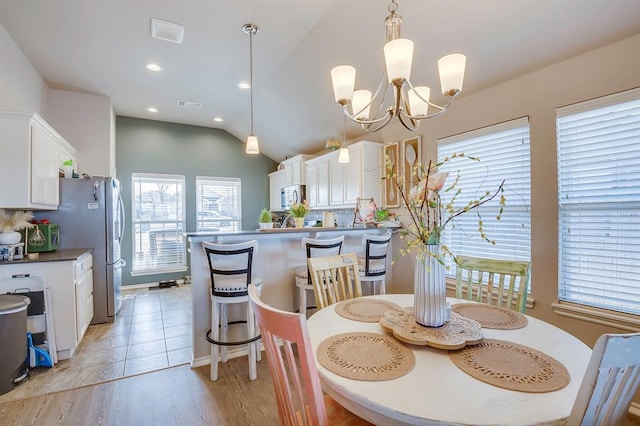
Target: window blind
point(218, 203)
point(503, 150)
point(158, 223)
point(599, 202)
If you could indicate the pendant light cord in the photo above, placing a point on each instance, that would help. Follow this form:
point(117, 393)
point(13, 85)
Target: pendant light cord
point(251, 32)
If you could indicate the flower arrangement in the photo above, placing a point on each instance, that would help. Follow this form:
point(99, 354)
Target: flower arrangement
point(265, 216)
point(300, 209)
point(427, 213)
point(16, 221)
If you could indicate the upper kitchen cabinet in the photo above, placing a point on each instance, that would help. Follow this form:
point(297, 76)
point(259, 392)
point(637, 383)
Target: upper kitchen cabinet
point(32, 155)
point(276, 182)
point(294, 170)
point(318, 181)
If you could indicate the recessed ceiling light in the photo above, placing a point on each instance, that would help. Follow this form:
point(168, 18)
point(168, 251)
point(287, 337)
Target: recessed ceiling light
point(217, 119)
point(152, 110)
point(153, 67)
point(244, 85)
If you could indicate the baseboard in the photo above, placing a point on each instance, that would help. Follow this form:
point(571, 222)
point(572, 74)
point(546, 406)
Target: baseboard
point(138, 286)
point(231, 353)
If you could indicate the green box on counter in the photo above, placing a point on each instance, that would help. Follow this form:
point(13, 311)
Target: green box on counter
point(41, 238)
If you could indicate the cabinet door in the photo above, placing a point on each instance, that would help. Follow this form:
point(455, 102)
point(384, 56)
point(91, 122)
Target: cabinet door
point(44, 167)
point(323, 184)
point(276, 182)
point(337, 175)
point(353, 176)
point(312, 185)
point(80, 307)
point(84, 303)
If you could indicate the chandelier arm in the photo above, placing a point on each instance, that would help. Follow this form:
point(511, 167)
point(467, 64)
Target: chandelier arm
point(413, 126)
point(435, 114)
point(382, 87)
point(367, 128)
point(365, 122)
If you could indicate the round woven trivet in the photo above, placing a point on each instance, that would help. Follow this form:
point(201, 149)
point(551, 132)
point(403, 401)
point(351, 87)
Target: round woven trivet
point(511, 366)
point(364, 309)
point(491, 316)
point(365, 356)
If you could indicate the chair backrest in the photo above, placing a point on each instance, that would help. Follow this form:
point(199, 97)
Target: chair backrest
point(492, 281)
point(297, 384)
point(375, 253)
point(230, 266)
point(334, 278)
point(318, 247)
point(611, 380)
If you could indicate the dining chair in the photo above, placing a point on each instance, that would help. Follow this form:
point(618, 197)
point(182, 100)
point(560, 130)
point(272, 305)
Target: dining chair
point(230, 267)
point(611, 380)
point(293, 369)
point(373, 266)
point(492, 281)
point(335, 278)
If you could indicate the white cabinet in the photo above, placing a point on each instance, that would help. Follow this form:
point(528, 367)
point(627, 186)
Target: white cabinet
point(341, 184)
point(30, 160)
point(294, 170)
point(71, 284)
point(276, 182)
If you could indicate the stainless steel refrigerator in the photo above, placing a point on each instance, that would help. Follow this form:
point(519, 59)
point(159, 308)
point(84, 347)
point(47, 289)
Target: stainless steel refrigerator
point(91, 215)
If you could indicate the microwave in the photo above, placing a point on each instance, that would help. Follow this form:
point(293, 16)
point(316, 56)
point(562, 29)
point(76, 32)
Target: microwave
point(292, 194)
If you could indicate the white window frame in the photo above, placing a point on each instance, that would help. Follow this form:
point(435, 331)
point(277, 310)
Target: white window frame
point(147, 257)
point(587, 198)
point(225, 221)
point(504, 153)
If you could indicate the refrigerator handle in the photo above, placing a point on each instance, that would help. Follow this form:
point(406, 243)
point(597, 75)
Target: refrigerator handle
point(122, 218)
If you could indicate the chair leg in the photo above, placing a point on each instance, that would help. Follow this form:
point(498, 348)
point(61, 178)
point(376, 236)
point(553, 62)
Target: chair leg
point(224, 331)
point(383, 289)
point(215, 335)
point(303, 300)
point(251, 327)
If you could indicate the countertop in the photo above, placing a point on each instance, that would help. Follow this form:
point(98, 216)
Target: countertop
point(306, 229)
point(60, 255)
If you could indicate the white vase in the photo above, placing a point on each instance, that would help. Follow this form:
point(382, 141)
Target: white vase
point(268, 225)
point(430, 307)
point(299, 222)
point(12, 237)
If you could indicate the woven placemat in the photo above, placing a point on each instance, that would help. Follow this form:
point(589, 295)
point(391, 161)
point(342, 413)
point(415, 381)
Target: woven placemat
point(365, 356)
point(364, 309)
point(511, 366)
point(491, 316)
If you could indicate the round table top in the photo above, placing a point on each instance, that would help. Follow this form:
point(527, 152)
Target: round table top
point(438, 391)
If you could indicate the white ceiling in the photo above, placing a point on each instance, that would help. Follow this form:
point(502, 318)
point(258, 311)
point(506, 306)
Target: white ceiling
point(101, 46)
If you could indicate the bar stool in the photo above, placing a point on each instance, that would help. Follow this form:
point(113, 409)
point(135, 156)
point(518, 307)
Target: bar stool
point(230, 266)
point(314, 248)
point(373, 266)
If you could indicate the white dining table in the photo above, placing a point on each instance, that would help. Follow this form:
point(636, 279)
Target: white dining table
point(436, 391)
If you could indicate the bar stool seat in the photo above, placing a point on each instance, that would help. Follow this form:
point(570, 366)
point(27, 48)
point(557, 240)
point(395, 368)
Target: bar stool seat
point(373, 264)
point(231, 273)
point(314, 247)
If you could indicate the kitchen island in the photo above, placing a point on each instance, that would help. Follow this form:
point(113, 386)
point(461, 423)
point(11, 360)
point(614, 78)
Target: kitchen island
point(279, 253)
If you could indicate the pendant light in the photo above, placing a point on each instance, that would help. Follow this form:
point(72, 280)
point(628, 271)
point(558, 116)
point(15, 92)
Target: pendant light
point(252, 140)
point(343, 156)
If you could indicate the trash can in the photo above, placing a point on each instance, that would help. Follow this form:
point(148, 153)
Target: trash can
point(13, 338)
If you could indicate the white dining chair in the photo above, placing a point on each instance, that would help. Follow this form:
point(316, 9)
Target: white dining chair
point(611, 380)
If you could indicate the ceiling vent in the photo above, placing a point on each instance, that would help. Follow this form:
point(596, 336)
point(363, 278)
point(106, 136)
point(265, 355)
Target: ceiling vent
point(168, 31)
point(189, 105)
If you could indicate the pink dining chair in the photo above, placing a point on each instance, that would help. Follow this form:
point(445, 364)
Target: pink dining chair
point(295, 377)
point(611, 380)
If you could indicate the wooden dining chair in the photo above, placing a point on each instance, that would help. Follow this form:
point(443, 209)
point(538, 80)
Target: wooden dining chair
point(293, 369)
point(496, 282)
point(335, 278)
point(611, 380)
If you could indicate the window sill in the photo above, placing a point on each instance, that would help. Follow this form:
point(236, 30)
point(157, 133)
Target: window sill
point(158, 271)
point(599, 316)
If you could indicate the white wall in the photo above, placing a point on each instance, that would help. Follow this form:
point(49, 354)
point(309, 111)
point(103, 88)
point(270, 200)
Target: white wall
point(86, 121)
point(610, 69)
point(21, 87)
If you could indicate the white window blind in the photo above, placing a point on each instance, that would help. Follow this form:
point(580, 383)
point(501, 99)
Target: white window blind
point(158, 223)
point(599, 202)
point(503, 150)
point(218, 203)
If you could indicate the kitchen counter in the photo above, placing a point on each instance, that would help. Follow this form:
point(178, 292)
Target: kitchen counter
point(60, 255)
point(306, 229)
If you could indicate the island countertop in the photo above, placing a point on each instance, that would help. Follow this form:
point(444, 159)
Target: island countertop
point(279, 253)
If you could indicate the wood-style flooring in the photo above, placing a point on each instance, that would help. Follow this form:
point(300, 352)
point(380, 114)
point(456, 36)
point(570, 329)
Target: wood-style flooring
point(174, 396)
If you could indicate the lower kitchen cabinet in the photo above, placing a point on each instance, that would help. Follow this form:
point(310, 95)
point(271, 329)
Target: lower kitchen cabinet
point(69, 275)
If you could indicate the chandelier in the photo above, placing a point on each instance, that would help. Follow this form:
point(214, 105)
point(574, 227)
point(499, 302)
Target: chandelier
point(252, 140)
point(410, 104)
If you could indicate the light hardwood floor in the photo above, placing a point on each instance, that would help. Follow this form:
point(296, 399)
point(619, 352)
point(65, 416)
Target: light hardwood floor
point(174, 396)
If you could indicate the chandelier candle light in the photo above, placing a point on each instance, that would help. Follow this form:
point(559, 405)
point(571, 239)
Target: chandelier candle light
point(411, 104)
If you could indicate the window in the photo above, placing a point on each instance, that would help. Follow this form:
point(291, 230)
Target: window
point(158, 224)
point(599, 202)
point(218, 204)
point(503, 150)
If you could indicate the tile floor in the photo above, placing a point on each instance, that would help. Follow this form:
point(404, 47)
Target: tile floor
point(152, 331)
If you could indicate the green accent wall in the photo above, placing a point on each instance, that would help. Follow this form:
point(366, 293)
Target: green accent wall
point(147, 146)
